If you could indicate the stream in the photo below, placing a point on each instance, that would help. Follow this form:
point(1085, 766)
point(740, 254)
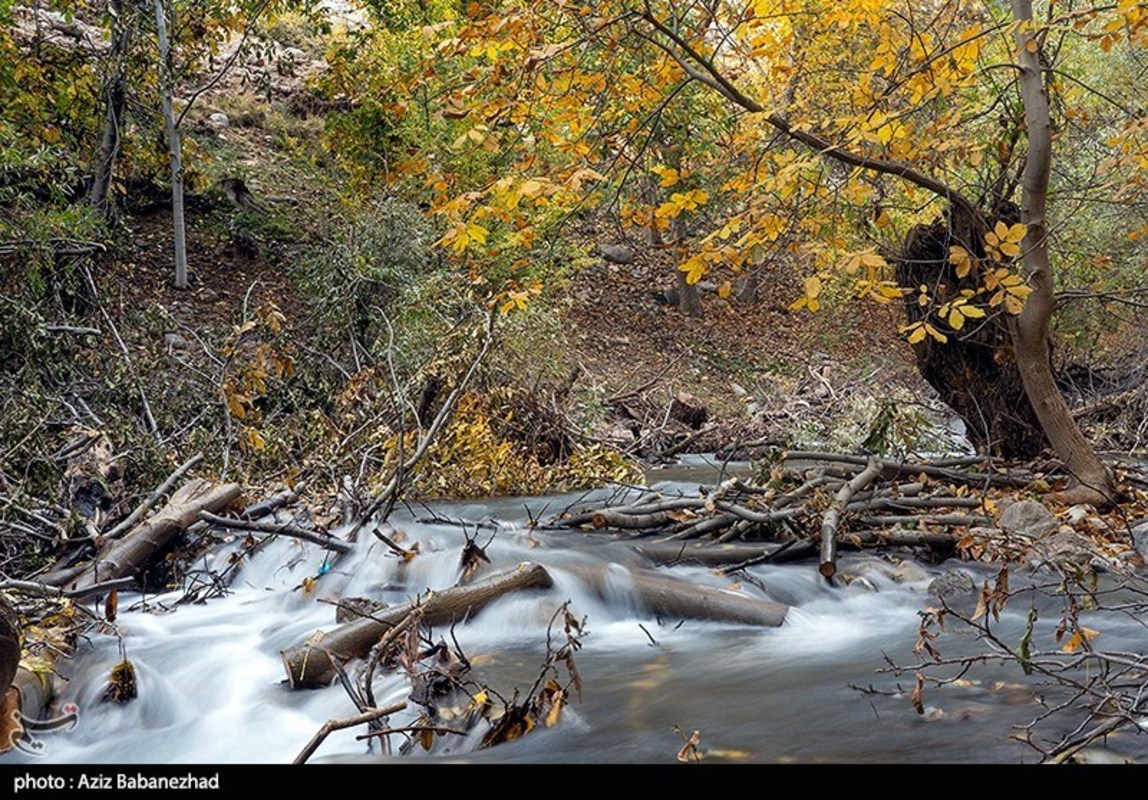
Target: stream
point(212, 690)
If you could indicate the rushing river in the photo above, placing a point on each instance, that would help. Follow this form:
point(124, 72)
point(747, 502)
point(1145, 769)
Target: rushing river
point(211, 683)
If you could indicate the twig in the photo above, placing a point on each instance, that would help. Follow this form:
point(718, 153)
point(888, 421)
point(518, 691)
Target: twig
point(684, 443)
point(43, 590)
point(332, 725)
point(153, 429)
point(395, 484)
point(73, 330)
point(324, 540)
point(410, 729)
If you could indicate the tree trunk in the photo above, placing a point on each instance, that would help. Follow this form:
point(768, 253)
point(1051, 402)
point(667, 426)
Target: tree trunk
point(1030, 329)
point(975, 372)
point(689, 298)
point(124, 557)
point(167, 86)
point(671, 597)
point(309, 664)
point(115, 90)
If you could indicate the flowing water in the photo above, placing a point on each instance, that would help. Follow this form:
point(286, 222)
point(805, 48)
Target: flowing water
point(212, 690)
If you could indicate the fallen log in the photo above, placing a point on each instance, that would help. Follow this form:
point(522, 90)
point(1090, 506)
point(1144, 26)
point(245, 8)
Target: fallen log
point(23, 693)
point(309, 665)
point(891, 469)
point(832, 519)
point(124, 557)
point(928, 519)
point(152, 500)
point(669, 554)
point(672, 597)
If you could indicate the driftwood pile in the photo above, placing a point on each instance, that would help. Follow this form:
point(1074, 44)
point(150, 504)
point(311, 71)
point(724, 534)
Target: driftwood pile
point(812, 505)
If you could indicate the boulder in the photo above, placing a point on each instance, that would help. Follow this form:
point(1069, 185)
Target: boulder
point(1029, 518)
point(616, 253)
point(1065, 547)
point(952, 586)
point(1139, 530)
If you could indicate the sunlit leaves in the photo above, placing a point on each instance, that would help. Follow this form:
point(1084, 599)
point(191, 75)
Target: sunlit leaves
point(961, 260)
point(463, 235)
point(1003, 241)
point(668, 176)
point(1009, 289)
point(917, 331)
point(867, 259)
point(682, 201)
point(957, 311)
point(811, 299)
point(518, 298)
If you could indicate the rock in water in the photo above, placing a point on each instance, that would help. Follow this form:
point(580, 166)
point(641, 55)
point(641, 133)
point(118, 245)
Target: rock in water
point(952, 585)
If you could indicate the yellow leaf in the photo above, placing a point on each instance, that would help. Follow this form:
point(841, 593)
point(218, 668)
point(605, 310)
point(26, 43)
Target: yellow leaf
point(956, 319)
point(936, 334)
point(695, 268)
point(1016, 233)
point(476, 232)
point(918, 335)
point(961, 260)
point(669, 177)
point(724, 290)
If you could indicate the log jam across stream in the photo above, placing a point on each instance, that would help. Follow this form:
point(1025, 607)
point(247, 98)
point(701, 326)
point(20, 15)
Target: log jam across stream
point(212, 686)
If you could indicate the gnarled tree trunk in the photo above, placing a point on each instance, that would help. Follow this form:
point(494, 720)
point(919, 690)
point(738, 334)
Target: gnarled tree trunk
point(975, 372)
